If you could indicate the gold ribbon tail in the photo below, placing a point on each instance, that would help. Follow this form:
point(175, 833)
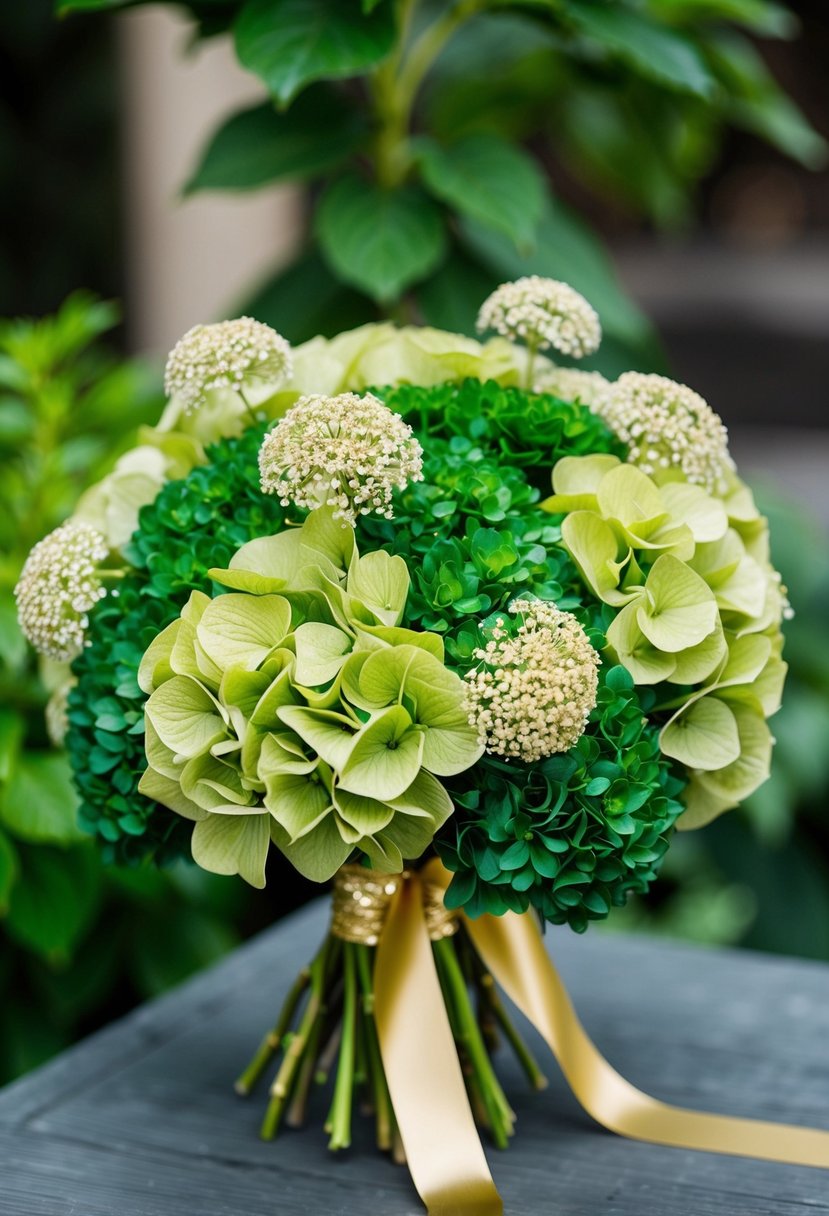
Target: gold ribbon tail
point(428, 1094)
point(512, 949)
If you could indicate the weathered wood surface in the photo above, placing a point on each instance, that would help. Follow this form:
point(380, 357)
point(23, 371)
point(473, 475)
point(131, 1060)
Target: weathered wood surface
point(141, 1119)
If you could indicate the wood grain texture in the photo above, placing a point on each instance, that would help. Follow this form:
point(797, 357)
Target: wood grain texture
point(141, 1119)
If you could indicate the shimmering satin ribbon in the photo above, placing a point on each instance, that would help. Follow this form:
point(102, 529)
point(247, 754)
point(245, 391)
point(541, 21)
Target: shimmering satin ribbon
point(428, 1094)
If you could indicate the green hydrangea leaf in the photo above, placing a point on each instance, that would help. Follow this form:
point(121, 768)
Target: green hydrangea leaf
point(367, 816)
point(703, 736)
point(595, 550)
point(39, 804)
point(233, 844)
point(750, 768)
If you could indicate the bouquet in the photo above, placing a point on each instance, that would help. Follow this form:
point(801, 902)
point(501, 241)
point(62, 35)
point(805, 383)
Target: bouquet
point(468, 634)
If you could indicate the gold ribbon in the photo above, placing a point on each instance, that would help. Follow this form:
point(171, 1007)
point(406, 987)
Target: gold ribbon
point(425, 1082)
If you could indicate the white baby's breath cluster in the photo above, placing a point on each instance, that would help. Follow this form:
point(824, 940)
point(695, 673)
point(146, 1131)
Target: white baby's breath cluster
point(58, 586)
point(573, 384)
point(228, 355)
point(535, 687)
point(347, 452)
point(668, 426)
point(543, 313)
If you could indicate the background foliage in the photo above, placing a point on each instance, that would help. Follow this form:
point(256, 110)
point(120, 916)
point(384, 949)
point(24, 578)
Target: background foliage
point(425, 131)
point(78, 942)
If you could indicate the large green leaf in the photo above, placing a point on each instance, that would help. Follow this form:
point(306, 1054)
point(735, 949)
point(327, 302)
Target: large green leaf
point(761, 16)
point(651, 49)
point(488, 179)
point(290, 43)
point(381, 241)
point(8, 871)
point(305, 299)
point(261, 145)
point(54, 900)
point(754, 100)
point(40, 803)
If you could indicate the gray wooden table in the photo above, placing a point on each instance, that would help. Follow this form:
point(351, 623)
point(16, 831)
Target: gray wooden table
point(141, 1119)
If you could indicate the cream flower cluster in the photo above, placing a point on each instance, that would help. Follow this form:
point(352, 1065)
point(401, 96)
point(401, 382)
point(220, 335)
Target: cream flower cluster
point(668, 426)
point(534, 691)
point(346, 452)
point(573, 384)
point(58, 586)
point(227, 355)
point(544, 313)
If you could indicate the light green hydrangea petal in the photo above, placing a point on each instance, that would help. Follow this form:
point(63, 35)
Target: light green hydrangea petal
point(242, 630)
point(233, 844)
point(751, 767)
point(381, 583)
point(386, 756)
point(316, 856)
point(688, 504)
point(594, 548)
point(321, 651)
point(168, 792)
point(365, 815)
point(186, 718)
point(679, 608)
point(703, 736)
point(330, 735)
point(645, 663)
point(154, 667)
point(298, 802)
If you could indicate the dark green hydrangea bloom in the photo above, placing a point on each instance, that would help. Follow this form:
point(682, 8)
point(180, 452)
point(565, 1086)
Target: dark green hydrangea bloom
point(575, 834)
point(193, 525)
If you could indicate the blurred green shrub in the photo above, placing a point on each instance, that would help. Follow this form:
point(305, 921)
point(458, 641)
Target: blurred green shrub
point(78, 943)
point(425, 130)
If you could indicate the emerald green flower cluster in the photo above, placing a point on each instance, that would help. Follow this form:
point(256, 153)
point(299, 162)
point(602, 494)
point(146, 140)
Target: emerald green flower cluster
point(572, 835)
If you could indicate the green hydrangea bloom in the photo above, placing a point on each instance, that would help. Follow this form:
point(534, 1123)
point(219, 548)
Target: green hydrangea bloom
point(295, 708)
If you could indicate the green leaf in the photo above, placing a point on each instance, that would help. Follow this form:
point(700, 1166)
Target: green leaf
point(488, 179)
point(329, 734)
point(380, 241)
point(12, 729)
point(654, 50)
point(762, 16)
point(8, 871)
point(386, 756)
point(755, 101)
point(261, 145)
point(54, 900)
point(79, 6)
point(290, 43)
point(39, 803)
point(305, 300)
point(233, 844)
point(704, 736)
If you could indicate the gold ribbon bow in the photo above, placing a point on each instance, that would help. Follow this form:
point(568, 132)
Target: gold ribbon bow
point(403, 913)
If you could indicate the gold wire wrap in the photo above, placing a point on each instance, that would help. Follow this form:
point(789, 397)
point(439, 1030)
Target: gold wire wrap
point(361, 902)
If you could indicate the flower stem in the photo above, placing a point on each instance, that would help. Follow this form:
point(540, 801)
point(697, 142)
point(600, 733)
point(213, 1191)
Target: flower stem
point(340, 1114)
point(499, 1113)
point(382, 1099)
point(273, 1039)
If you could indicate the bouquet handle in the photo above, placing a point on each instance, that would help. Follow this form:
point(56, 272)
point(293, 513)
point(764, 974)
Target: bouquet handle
point(443, 1151)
